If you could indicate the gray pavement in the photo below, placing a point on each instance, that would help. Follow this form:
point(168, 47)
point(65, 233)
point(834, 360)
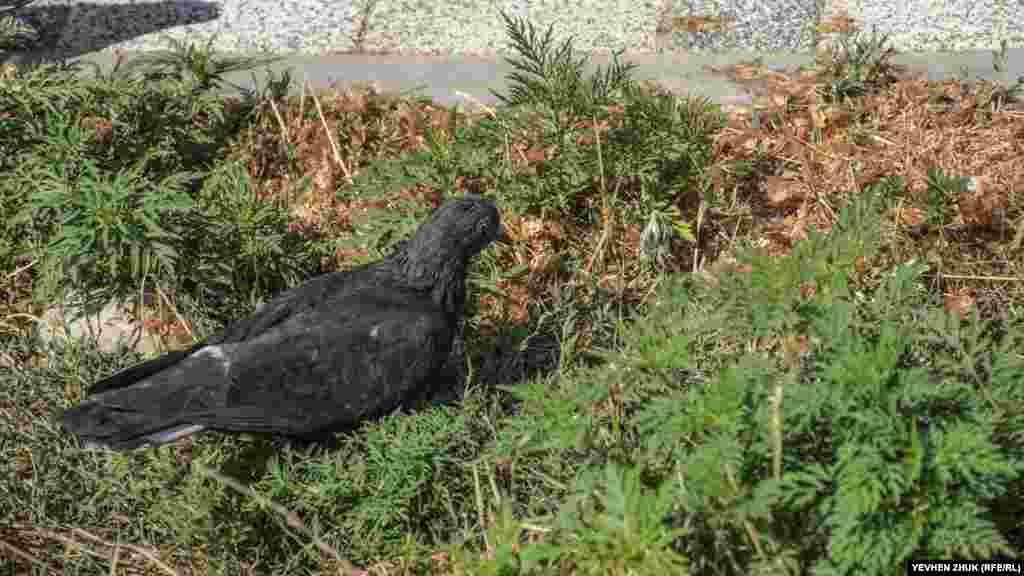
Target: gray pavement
point(442, 78)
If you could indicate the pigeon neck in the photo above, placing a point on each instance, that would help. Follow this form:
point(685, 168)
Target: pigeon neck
point(438, 271)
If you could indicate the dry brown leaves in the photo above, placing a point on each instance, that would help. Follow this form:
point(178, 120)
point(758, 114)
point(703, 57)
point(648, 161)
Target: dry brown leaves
point(818, 154)
point(960, 302)
point(901, 131)
point(538, 246)
point(102, 129)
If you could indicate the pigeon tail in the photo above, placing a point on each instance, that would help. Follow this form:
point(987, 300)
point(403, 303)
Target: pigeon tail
point(152, 403)
point(101, 426)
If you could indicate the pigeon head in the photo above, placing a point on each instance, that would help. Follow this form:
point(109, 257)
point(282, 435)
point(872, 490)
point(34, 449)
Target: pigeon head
point(437, 256)
point(476, 221)
point(460, 229)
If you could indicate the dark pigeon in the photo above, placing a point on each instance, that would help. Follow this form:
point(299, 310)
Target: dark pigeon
point(319, 358)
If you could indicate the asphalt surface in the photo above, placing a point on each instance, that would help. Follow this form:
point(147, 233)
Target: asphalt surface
point(445, 79)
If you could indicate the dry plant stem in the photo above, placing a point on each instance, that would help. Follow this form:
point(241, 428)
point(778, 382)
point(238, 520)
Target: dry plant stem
point(696, 235)
point(494, 488)
point(77, 544)
point(280, 121)
point(22, 554)
point(73, 543)
point(883, 140)
point(114, 558)
point(291, 519)
point(174, 309)
point(302, 98)
point(1018, 237)
point(536, 528)
point(776, 408)
point(138, 550)
point(480, 514)
point(522, 156)
point(494, 115)
point(26, 316)
point(140, 310)
point(985, 278)
point(20, 270)
point(327, 131)
point(605, 215)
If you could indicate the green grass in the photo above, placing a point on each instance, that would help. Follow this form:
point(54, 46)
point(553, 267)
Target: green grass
point(716, 408)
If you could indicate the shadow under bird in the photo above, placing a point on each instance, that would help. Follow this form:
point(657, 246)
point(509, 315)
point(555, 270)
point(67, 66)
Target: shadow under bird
point(315, 359)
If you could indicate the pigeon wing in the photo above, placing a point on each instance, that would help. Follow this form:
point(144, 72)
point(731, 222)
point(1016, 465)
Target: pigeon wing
point(300, 299)
point(313, 375)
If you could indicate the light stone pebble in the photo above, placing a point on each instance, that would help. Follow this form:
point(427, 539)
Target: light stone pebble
point(474, 27)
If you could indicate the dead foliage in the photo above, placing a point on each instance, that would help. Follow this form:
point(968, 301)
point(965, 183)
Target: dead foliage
point(812, 154)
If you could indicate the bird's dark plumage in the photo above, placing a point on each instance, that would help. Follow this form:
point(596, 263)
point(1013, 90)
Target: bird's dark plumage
point(340, 348)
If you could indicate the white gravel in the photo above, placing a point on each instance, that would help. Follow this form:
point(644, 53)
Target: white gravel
point(474, 27)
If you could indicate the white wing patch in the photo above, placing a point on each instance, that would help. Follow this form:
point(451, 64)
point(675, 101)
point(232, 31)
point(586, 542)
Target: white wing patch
point(217, 354)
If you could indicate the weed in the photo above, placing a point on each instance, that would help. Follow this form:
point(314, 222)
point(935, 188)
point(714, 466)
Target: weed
point(805, 382)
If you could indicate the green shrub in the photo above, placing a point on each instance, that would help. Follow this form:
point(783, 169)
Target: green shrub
point(104, 171)
point(804, 422)
point(240, 244)
point(109, 233)
point(404, 478)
